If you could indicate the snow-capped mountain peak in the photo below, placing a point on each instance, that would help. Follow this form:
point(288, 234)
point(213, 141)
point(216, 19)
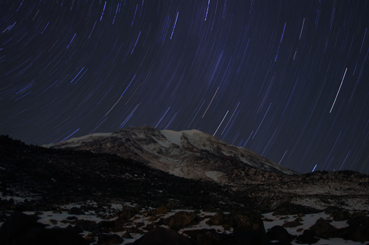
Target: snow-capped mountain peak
point(176, 136)
point(189, 154)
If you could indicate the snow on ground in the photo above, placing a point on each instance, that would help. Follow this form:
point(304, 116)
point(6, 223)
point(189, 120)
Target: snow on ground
point(60, 219)
point(307, 221)
point(214, 175)
point(53, 219)
point(16, 199)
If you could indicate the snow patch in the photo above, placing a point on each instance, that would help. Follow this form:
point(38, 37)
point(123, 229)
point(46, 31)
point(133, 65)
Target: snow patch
point(214, 175)
point(162, 143)
point(173, 136)
point(308, 220)
point(53, 219)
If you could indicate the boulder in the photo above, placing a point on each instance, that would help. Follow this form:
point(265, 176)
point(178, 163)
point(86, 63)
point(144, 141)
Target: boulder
point(246, 236)
point(338, 214)
point(128, 212)
point(181, 220)
point(207, 236)
point(127, 235)
point(20, 228)
point(280, 234)
point(324, 229)
point(294, 223)
point(358, 229)
point(117, 224)
point(248, 219)
point(162, 236)
point(248, 226)
point(217, 219)
point(61, 237)
point(308, 237)
point(87, 225)
point(108, 239)
point(76, 211)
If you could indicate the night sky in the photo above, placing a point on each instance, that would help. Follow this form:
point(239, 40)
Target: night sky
point(286, 79)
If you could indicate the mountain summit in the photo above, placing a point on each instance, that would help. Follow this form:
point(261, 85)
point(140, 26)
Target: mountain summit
point(190, 154)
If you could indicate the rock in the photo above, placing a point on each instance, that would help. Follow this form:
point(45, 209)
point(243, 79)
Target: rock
point(75, 228)
point(247, 225)
point(72, 218)
point(123, 217)
point(158, 211)
point(19, 228)
point(324, 229)
point(294, 223)
point(358, 229)
point(207, 236)
point(280, 243)
point(162, 236)
point(148, 227)
point(127, 235)
point(61, 237)
point(182, 219)
point(139, 224)
point(2, 216)
point(246, 236)
point(248, 219)
point(90, 238)
point(53, 221)
point(217, 219)
point(108, 239)
point(307, 237)
point(128, 212)
point(87, 225)
point(76, 211)
point(338, 214)
point(134, 230)
point(279, 233)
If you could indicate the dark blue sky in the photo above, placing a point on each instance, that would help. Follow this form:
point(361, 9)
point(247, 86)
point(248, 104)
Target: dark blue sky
point(286, 79)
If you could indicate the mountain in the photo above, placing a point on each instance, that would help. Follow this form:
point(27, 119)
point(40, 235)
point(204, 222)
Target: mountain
point(190, 154)
point(36, 176)
point(66, 188)
point(195, 155)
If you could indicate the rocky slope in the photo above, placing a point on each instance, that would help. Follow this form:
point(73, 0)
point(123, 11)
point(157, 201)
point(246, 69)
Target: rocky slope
point(190, 154)
point(48, 176)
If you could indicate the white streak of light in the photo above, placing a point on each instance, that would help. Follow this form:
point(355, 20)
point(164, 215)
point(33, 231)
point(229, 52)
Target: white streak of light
point(343, 78)
point(302, 28)
point(221, 123)
point(230, 118)
point(282, 157)
point(210, 102)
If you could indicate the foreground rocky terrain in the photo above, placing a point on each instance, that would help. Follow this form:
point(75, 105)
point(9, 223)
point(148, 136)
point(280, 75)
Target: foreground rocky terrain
point(87, 197)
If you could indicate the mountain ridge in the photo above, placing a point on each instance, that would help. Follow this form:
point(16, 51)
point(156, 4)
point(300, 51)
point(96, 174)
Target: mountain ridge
point(190, 154)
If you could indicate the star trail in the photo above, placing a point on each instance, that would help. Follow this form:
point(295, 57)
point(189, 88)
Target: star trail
point(286, 79)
